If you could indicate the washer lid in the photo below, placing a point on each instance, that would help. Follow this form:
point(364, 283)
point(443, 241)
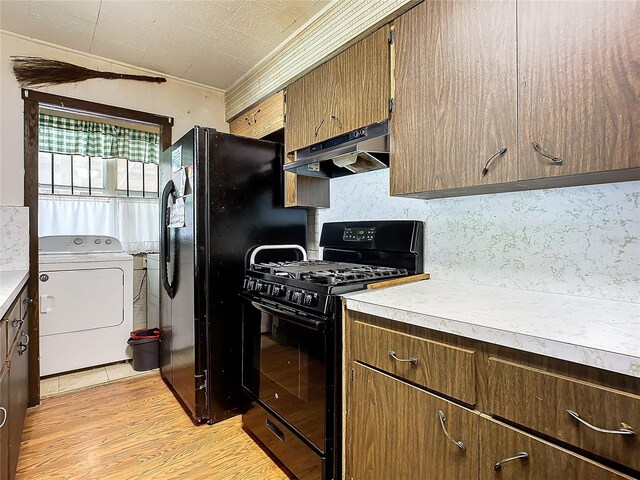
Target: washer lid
point(79, 244)
point(86, 259)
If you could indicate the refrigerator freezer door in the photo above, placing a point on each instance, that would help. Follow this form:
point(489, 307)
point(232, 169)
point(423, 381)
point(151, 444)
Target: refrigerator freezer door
point(246, 202)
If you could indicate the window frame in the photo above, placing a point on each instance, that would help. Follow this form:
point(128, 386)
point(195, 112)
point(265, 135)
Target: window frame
point(110, 176)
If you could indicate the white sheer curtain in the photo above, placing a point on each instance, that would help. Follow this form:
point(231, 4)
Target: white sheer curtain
point(133, 221)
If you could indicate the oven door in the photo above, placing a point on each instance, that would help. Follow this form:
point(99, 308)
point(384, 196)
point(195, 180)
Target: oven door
point(284, 367)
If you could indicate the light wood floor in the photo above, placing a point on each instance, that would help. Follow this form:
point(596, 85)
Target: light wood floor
point(134, 429)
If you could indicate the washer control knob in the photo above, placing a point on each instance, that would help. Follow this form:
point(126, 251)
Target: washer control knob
point(97, 241)
point(78, 241)
point(108, 241)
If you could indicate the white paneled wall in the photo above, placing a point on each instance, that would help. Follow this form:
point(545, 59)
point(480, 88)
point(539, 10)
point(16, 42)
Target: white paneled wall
point(333, 31)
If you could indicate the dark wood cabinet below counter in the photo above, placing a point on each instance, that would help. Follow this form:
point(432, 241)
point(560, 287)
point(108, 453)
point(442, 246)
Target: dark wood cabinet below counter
point(500, 413)
point(14, 383)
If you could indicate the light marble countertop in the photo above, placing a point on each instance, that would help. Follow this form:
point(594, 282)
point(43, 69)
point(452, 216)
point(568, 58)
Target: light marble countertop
point(595, 332)
point(11, 281)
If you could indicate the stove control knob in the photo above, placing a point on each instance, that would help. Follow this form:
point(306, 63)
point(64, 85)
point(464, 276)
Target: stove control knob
point(296, 297)
point(251, 284)
point(259, 287)
point(277, 291)
point(310, 300)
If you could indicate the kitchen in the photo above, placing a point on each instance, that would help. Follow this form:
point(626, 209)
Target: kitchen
point(512, 181)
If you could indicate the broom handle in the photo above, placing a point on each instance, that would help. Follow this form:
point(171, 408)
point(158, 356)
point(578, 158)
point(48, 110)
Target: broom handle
point(127, 76)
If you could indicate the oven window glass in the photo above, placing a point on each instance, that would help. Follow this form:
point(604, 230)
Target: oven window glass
point(287, 371)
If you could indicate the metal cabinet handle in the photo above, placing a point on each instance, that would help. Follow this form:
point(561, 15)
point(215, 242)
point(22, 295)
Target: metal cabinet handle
point(485, 169)
point(517, 456)
point(337, 120)
point(5, 415)
point(457, 443)
point(624, 430)
point(315, 130)
point(538, 148)
point(413, 360)
point(246, 119)
point(27, 336)
point(255, 116)
point(17, 323)
point(27, 301)
point(22, 347)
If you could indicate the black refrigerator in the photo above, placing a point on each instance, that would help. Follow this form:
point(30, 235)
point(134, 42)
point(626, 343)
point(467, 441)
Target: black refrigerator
point(222, 195)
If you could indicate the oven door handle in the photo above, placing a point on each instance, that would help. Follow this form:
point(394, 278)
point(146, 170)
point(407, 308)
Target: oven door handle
point(309, 323)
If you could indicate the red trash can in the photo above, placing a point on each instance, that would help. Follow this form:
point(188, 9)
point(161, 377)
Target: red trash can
point(145, 345)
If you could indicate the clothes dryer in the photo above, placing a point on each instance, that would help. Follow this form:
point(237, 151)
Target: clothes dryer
point(86, 302)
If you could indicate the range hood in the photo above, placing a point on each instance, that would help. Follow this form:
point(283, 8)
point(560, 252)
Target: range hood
point(361, 150)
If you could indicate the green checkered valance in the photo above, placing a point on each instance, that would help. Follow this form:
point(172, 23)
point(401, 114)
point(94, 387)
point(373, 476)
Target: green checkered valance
point(82, 137)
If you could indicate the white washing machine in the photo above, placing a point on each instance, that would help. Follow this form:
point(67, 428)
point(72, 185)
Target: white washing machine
point(86, 302)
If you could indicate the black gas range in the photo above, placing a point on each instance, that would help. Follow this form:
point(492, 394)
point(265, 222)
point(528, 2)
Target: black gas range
point(292, 337)
point(312, 285)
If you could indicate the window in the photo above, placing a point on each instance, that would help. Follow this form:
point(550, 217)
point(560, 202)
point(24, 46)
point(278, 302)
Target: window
point(62, 174)
point(98, 178)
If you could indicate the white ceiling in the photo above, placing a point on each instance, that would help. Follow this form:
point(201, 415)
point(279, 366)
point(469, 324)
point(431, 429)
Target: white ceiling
point(210, 42)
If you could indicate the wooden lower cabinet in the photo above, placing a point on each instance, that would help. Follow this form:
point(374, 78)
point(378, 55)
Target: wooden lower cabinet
point(550, 397)
point(14, 385)
point(518, 429)
point(395, 432)
point(18, 395)
point(4, 421)
point(503, 450)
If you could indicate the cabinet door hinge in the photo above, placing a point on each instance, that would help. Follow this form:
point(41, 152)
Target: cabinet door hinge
point(392, 36)
point(391, 104)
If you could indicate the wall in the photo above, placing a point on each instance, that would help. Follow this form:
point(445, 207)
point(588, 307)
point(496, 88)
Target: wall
point(579, 241)
point(188, 103)
point(140, 287)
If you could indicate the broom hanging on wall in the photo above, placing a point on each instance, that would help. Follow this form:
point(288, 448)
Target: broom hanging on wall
point(41, 72)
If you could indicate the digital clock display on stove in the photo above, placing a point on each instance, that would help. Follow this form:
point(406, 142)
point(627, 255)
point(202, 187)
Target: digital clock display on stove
point(359, 234)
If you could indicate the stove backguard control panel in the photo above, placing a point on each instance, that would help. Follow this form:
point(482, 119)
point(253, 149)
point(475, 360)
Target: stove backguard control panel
point(358, 234)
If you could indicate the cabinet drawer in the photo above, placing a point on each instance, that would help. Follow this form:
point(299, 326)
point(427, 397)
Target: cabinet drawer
point(300, 458)
point(443, 368)
point(400, 432)
point(263, 119)
point(541, 401)
point(544, 461)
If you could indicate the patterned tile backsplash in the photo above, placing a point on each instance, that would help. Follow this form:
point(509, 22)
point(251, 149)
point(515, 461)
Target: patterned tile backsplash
point(580, 240)
point(14, 238)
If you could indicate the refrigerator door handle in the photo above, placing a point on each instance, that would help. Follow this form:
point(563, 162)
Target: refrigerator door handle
point(165, 254)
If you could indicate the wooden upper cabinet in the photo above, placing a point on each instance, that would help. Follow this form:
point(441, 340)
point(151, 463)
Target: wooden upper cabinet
point(579, 86)
point(350, 91)
point(309, 101)
point(455, 96)
point(263, 119)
